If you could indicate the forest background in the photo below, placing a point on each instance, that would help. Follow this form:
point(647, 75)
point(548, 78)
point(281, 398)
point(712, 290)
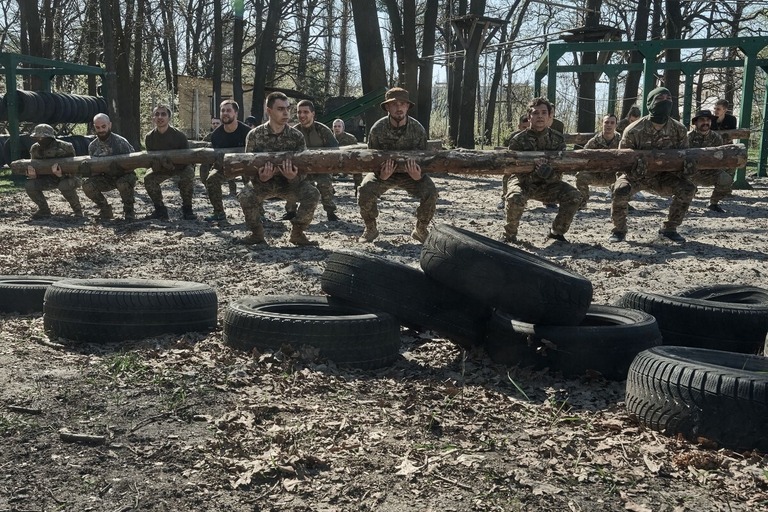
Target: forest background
point(469, 65)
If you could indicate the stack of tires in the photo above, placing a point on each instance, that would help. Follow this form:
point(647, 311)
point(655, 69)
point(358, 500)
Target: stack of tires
point(54, 108)
point(708, 380)
point(111, 310)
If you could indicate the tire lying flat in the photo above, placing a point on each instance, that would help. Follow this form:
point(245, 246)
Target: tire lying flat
point(606, 341)
point(406, 293)
point(721, 396)
point(717, 318)
point(24, 294)
point(111, 310)
point(345, 333)
point(525, 286)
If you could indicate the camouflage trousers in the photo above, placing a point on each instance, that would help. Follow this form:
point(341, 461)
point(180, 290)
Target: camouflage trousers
point(372, 188)
point(323, 183)
point(253, 195)
point(66, 185)
point(663, 184)
point(586, 178)
point(721, 179)
point(125, 185)
point(558, 192)
point(153, 179)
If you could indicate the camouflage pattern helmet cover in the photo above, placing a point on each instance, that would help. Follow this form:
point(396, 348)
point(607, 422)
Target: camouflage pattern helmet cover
point(42, 131)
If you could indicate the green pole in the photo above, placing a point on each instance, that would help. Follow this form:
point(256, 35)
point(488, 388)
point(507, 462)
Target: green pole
point(761, 162)
point(745, 117)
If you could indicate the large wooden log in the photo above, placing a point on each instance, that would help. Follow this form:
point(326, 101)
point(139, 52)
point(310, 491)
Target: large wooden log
point(583, 138)
point(489, 162)
point(120, 164)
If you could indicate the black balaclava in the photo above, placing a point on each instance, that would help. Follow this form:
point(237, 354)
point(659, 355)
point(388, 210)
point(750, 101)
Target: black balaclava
point(660, 110)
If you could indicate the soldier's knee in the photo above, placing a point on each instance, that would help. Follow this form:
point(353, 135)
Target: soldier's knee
point(687, 190)
point(623, 190)
point(573, 197)
point(516, 200)
point(89, 188)
point(724, 179)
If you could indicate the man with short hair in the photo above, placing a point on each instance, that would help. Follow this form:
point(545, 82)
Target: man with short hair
point(47, 147)
point(284, 181)
point(316, 135)
point(108, 143)
point(231, 134)
point(165, 137)
point(657, 130)
point(722, 120)
point(345, 138)
point(544, 183)
point(397, 131)
point(702, 136)
point(632, 116)
point(608, 138)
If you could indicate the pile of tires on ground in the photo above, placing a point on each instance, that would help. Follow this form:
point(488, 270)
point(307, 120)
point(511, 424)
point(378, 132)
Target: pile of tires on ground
point(689, 360)
point(53, 107)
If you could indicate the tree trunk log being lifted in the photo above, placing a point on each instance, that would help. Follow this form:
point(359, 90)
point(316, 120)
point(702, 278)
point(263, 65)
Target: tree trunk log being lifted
point(583, 138)
point(353, 159)
point(120, 164)
point(489, 162)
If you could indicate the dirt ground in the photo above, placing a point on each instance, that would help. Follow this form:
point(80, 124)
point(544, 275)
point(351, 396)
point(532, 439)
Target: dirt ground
point(191, 424)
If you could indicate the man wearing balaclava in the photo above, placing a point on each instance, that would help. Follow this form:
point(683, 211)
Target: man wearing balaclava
point(657, 130)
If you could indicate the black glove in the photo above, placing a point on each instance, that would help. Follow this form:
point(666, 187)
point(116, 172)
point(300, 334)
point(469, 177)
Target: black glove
point(544, 171)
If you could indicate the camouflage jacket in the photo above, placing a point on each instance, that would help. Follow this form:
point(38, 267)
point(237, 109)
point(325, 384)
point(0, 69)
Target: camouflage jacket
point(57, 149)
point(318, 136)
point(114, 145)
point(346, 139)
point(643, 135)
point(386, 137)
point(599, 142)
point(263, 139)
point(711, 139)
point(529, 140)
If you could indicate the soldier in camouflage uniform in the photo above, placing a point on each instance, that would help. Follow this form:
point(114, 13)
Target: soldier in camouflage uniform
point(654, 131)
point(543, 184)
point(397, 131)
point(316, 135)
point(346, 139)
point(632, 116)
point(166, 137)
point(107, 143)
point(47, 147)
point(607, 139)
point(283, 181)
point(702, 136)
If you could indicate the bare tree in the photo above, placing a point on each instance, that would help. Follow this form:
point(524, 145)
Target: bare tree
point(373, 72)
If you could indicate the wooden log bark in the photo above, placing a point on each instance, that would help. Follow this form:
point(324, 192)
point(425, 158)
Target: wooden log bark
point(355, 160)
point(120, 164)
point(489, 162)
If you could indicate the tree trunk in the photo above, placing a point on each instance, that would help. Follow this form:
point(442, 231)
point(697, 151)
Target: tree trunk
point(585, 105)
point(455, 71)
point(217, 50)
point(343, 44)
point(470, 79)
point(373, 73)
point(632, 85)
point(237, 61)
point(265, 57)
point(426, 66)
point(673, 29)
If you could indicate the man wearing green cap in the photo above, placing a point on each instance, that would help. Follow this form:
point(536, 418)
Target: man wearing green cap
point(397, 131)
point(655, 131)
point(46, 146)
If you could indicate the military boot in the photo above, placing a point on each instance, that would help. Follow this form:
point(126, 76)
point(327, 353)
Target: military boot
point(370, 233)
point(255, 238)
point(187, 213)
point(299, 238)
point(128, 212)
point(160, 213)
point(105, 212)
point(420, 232)
point(74, 202)
point(43, 212)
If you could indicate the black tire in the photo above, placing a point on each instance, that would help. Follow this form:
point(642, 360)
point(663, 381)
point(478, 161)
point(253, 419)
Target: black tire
point(606, 341)
point(721, 396)
point(406, 293)
point(527, 287)
point(342, 332)
point(24, 294)
point(111, 310)
point(728, 294)
point(702, 323)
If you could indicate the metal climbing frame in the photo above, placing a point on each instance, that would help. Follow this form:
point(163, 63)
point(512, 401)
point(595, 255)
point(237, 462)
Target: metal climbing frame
point(650, 51)
point(45, 70)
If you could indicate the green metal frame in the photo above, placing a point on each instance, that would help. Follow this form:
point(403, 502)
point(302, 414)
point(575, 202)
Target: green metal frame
point(650, 50)
point(46, 70)
point(355, 107)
